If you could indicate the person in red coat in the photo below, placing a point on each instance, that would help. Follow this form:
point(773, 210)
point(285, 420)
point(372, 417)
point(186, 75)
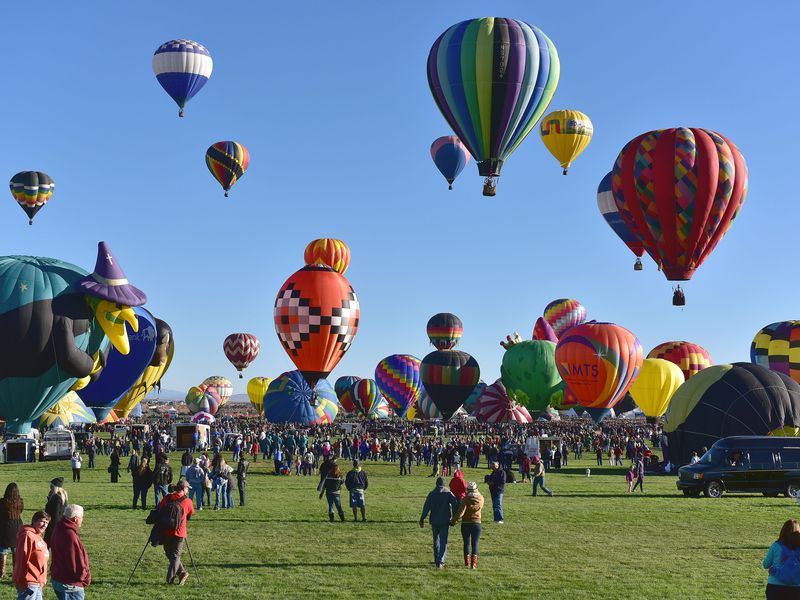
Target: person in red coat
point(458, 485)
point(70, 563)
point(174, 539)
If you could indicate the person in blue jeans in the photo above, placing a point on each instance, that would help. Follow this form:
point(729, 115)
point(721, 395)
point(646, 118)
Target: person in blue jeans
point(538, 477)
point(442, 505)
point(497, 487)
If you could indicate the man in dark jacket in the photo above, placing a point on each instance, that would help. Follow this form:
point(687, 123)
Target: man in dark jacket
point(497, 487)
point(241, 477)
point(186, 461)
point(442, 505)
point(162, 477)
point(175, 538)
point(356, 483)
point(70, 563)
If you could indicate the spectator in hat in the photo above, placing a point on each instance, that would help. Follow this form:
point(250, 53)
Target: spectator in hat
point(469, 509)
point(441, 504)
point(70, 569)
point(57, 501)
point(174, 538)
point(356, 483)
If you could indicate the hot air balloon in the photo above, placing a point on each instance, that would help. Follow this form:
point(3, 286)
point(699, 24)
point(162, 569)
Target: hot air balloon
point(256, 388)
point(444, 330)
point(469, 403)
point(203, 398)
point(328, 252)
point(32, 190)
point(449, 376)
point(68, 410)
point(653, 389)
point(678, 190)
point(366, 394)
point(599, 415)
point(563, 314)
point(530, 376)
point(227, 162)
point(289, 400)
point(316, 319)
point(492, 78)
point(777, 347)
point(450, 156)
point(599, 362)
point(398, 380)
point(496, 406)
point(542, 330)
point(608, 208)
point(344, 391)
point(691, 358)
point(733, 399)
point(122, 371)
point(203, 417)
point(241, 349)
point(223, 386)
point(151, 378)
point(182, 67)
point(380, 410)
point(426, 409)
point(566, 133)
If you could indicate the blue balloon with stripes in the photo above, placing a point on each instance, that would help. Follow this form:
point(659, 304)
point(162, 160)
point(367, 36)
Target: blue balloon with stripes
point(182, 67)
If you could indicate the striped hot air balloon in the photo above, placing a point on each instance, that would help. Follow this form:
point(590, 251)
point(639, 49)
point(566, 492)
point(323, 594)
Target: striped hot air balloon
point(227, 162)
point(445, 330)
point(366, 395)
point(777, 347)
point(328, 252)
point(608, 208)
point(241, 349)
point(32, 190)
point(182, 67)
point(495, 406)
point(690, 357)
point(563, 314)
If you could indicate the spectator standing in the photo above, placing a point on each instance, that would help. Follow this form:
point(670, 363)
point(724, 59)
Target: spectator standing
point(639, 474)
point(241, 478)
point(786, 546)
point(356, 483)
point(76, 466)
point(30, 559)
point(497, 487)
point(441, 504)
point(538, 477)
point(162, 477)
point(469, 509)
point(11, 507)
point(57, 501)
point(142, 480)
point(174, 510)
point(70, 569)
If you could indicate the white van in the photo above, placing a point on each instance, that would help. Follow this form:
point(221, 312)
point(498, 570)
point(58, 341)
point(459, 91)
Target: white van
point(59, 444)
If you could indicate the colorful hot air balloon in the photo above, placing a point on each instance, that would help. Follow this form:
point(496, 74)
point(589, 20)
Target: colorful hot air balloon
point(316, 319)
point(328, 252)
point(380, 410)
point(366, 394)
point(344, 391)
point(734, 399)
point(777, 347)
point(203, 417)
point(449, 376)
point(426, 408)
point(182, 67)
point(444, 330)
point(469, 403)
point(608, 208)
point(398, 379)
point(492, 78)
point(450, 156)
point(599, 362)
point(657, 382)
point(32, 190)
point(227, 162)
point(566, 133)
point(679, 190)
point(691, 358)
point(542, 330)
point(563, 314)
point(70, 409)
point(495, 406)
point(223, 386)
point(289, 399)
point(203, 398)
point(530, 376)
point(241, 349)
point(256, 388)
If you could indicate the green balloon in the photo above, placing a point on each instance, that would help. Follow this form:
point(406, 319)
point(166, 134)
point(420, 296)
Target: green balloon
point(530, 375)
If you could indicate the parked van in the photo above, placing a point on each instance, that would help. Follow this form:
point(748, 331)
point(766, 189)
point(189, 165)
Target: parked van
point(751, 464)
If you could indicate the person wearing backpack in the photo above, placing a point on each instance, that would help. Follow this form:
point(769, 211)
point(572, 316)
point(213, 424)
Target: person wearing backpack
point(162, 477)
point(783, 563)
point(173, 511)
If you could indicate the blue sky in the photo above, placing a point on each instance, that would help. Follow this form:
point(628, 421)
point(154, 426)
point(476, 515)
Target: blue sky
point(332, 101)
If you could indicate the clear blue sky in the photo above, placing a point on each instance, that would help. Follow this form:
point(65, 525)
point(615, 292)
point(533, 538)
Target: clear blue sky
point(332, 101)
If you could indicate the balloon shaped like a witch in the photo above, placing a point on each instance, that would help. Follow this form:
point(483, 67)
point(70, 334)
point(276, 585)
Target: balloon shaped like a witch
point(316, 318)
point(56, 322)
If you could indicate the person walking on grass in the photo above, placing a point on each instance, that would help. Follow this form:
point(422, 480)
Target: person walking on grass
point(241, 477)
point(162, 477)
point(331, 486)
point(113, 466)
point(497, 487)
point(30, 558)
point(781, 562)
point(77, 463)
point(356, 483)
point(469, 510)
point(629, 477)
point(70, 569)
point(458, 485)
point(173, 512)
point(538, 477)
point(441, 504)
point(639, 474)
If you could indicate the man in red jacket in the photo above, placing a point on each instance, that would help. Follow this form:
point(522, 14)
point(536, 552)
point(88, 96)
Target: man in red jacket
point(174, 538)
point(70, 568)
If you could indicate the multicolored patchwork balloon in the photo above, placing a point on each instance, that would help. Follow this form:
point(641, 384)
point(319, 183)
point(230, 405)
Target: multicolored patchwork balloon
point(444, 330)
point(398, 379)
point(566, 133)
point(203, 398)
point(256, 389)
point(223, 386)
point(777, 347)
point(599, 362)
point(563, 314)
point(32, 190)
point(608, 208)
point(530, 376)
point(227, 162)
point(449, 376)
point(495, 406)
point(241, 349)
point(289, 399)
point(690, 357)
point(182, 67)
point(328, 252)
point(450, 156)
point(366, 395)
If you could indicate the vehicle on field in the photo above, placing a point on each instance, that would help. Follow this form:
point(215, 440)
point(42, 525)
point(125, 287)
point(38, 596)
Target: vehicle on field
point(184, 436)
point(750, 464)
point(59, 444)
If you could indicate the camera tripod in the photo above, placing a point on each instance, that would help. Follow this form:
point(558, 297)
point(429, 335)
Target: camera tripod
point(188, 549)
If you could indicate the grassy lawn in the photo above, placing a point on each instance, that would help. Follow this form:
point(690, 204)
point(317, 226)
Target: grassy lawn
point(591, 540)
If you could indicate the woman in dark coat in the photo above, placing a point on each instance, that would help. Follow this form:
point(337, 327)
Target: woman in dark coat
point(142, 480)
point(11, 507)
point(114, 466)
point(57, 501)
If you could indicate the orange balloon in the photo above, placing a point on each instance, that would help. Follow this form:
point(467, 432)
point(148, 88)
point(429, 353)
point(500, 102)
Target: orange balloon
point(330, 253)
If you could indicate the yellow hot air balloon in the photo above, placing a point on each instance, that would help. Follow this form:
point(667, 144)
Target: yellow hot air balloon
point(657, 382)
point(566, 133)
point(256, 389)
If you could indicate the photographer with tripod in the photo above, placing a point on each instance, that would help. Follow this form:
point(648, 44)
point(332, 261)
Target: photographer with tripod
point(173, 511)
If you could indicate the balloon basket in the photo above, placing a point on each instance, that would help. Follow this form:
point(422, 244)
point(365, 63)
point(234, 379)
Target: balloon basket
point(180, 113)
point(678, 299)
point(565, 171)
point(637, 266)
point(489, 187)
point(226, 193)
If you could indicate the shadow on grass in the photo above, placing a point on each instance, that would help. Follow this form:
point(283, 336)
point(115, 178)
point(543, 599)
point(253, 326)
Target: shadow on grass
point(335, 565)
point(322, 520)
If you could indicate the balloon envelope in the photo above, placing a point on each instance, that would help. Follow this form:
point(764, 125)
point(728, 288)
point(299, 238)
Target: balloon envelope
point(566, 133)
point(366, 395)
point(68, 410)
point(328, 252)
point(344, 391)
point(289, 400)
point(449, 376)
point(495, 406)
point(529, 374)
point(444, 330)
point(777, 347)
point(399, 381)
point(542, 330)
point(657, 381)
point(203, 398)
point(241, 349)
point(227, 162)
point(563, 314)
point(256, 389)
point(450, 156)
point(690, 358)
point(182, 67)
point(32, 190)
point(223, 386)
point(608, 208)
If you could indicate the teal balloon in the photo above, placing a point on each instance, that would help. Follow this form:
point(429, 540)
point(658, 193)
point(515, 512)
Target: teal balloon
point(530, 375)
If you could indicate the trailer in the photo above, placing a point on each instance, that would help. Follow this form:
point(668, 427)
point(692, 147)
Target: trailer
point(183, 435)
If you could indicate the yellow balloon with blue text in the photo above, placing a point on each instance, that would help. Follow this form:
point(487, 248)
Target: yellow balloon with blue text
point(566, 133)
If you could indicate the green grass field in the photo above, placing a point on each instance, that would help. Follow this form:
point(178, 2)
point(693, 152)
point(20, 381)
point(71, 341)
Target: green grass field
point(591, 540)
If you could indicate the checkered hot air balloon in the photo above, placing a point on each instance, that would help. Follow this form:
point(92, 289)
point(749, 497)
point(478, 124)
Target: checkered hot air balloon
point(241, 349)
point(690, 357)
point(328, 252)
point(563, 314)
point(182, 67)
point(399, 381)
point(495, 406)
point(227, 162)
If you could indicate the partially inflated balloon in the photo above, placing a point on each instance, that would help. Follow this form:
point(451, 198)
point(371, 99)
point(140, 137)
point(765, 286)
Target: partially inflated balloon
point(691, 358)
point(444, 330)
point(366, 394)
point(70, 409)
point(344, 391)
point(203, 398)
point(182, 67)
point(608, 208)
point(469, 403)
point(496, 406)
point(563, 314)
point(542, 330)
point(426, 408)
point(530, 375)
point(777, 347)
point(398, 379)
point(328, 252)
point(241, 349)
point(227, 162)
point(449, 376)
point(657, 382)
point(566, 133)
point(380, 410)
point(256, 388)
point(32, 190)
point(450, 156)
point(599, 362)
point(223, 386)
point(289, 399)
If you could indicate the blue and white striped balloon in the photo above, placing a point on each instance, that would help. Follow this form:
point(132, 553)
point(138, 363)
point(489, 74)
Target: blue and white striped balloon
point(182, 67)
